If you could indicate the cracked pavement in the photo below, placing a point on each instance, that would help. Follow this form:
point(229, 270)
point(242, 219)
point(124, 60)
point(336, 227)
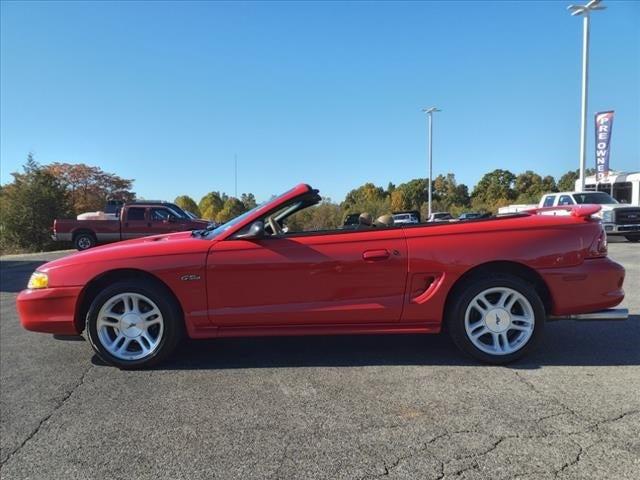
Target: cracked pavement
point(396, 406)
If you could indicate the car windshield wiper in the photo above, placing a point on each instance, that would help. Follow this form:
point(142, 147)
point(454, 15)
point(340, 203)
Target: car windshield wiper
point(203, 231)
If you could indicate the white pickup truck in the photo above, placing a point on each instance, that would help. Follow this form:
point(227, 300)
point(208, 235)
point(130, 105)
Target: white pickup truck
point(617, 218)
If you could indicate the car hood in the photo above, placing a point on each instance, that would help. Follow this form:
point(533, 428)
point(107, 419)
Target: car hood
point(156, 245)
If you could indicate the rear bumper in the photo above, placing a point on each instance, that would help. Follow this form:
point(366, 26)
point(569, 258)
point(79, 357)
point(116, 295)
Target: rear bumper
point(50, 310)
point(594, 285)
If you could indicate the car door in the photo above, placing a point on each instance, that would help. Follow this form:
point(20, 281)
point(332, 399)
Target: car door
point(136, 223)
point(342, 277)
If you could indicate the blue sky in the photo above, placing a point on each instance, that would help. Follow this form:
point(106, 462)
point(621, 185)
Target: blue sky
point(324, 93)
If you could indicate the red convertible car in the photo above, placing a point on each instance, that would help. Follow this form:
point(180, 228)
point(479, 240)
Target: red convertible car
point(491, 283)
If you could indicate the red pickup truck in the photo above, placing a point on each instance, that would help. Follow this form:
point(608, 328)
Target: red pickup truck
point(136, 219)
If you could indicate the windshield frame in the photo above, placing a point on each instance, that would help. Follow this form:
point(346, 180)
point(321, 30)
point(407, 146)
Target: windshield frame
point(226, 230)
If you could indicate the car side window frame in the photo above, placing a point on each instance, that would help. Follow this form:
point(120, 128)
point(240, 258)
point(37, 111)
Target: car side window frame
point(144, 216)
point(546, 201)
point(565, 197)
point(169, 214)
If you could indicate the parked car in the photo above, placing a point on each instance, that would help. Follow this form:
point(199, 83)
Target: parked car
point(440, 217)
point(470, 216)
point(134, 220)
point(618, 219)
point(406, 218)
point(136, 300)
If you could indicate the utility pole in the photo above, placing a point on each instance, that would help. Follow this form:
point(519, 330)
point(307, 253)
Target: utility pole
point(430, 111)
point(584, 11)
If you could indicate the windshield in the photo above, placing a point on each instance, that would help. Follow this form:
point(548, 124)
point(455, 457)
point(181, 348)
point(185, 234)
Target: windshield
point(599, 198)
point(231, 223)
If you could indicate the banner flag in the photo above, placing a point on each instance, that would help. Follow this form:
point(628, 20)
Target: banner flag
point(604, 125)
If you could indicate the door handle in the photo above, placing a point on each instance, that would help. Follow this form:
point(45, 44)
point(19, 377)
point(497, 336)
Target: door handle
point(372, 255)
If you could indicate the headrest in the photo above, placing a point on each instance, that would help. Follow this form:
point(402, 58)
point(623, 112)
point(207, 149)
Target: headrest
point(384, 221)
point(364, 219)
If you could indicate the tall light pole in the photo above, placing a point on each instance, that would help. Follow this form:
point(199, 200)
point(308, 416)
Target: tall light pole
point(584, 11)
point(430, 111)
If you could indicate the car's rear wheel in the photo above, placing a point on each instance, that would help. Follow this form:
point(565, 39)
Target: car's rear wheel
point(84, 241)
point(633, 238)
point(496, 319)
point(134, 325)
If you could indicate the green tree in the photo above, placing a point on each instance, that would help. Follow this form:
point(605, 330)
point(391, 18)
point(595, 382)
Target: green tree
point(28, 207)
point(325, 216)
point(248, 200)
point(232, 208)
point(447, 191)
point(549, 185)
point(495, 189)
point(567, 182)
point(211, 204)
point(414, 194)
point(185, 202)
point(529, 187)
point(367, 198)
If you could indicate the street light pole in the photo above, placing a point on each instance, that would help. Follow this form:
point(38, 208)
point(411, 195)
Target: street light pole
point(585, 11)
point(429, 111)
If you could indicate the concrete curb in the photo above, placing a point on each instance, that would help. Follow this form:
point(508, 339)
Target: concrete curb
point(21, 256)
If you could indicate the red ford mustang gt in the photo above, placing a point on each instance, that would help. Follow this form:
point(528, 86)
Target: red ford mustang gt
point(492, 283)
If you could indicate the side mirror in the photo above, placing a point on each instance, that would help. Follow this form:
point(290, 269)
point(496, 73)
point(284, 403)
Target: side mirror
point(255, 232)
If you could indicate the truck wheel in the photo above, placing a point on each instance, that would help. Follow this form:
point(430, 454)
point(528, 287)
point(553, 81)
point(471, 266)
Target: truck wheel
point(496, 319)
point(134, 324)
point(633, 238)
point(84, 240)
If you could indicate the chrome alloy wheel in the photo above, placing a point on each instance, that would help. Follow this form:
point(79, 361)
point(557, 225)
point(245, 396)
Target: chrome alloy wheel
point(499, 321)
point(130, 326)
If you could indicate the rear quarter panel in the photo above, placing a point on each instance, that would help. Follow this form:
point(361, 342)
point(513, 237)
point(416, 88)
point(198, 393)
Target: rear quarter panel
point(445, 252)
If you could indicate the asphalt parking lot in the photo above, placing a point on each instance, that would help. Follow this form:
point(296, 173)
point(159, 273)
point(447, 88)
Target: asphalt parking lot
point(324, 407)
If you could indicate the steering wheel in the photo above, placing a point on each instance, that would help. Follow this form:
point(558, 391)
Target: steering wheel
point(275, 227)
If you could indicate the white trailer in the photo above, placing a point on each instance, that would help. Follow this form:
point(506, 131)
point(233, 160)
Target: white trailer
point(623, 186)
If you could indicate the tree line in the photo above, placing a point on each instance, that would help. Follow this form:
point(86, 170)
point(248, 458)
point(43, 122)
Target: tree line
point(41, 193)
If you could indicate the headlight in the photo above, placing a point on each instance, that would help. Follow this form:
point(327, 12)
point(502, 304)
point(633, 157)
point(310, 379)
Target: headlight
point(607, 217)
point(38, 280)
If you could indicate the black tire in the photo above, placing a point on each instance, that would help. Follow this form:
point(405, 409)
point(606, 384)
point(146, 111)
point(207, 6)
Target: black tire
point(84, 241)
point(465, 295)
point(173, 326)
point(633, 238)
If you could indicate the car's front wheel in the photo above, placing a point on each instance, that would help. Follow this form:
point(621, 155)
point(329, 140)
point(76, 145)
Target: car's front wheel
point(133, 324)
point(632, 238)
point(496, 319)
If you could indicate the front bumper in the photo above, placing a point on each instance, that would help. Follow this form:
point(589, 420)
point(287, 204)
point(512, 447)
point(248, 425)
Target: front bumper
point(615, 229)
point(594, 285)
point(49, 310)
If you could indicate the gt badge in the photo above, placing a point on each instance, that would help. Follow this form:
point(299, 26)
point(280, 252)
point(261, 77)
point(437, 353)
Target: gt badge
point(188, 278)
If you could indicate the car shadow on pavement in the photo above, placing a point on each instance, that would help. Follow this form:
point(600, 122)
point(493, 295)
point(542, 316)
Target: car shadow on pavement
point(14, 274)
point(565, 343)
